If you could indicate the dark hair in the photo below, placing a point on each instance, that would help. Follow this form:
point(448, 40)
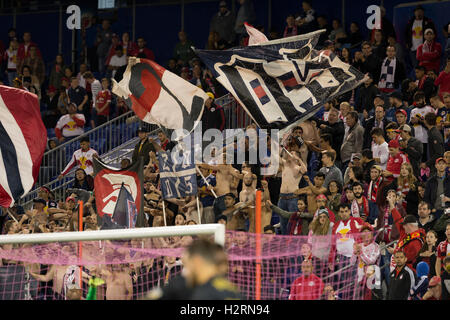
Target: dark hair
point(269, 227)
point(366, 43)
point(430, 119)
point(367, 153)
point(320, 174)
point(222, 217)
point(118, 47)
point(181, 214)
point(392, 125)
point(354, 115)
point(419, 95)
point(26, 66)
point(211, 252)
point(358, 172)
point(357, 183)
point(330, 154)
point(327, 137)
point(377, 132)
point(339, 186)
point(343, 206)
point(88, 75)
point(422, 68)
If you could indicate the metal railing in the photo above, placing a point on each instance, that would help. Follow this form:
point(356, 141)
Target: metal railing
point(103, 139)
point(235, 115)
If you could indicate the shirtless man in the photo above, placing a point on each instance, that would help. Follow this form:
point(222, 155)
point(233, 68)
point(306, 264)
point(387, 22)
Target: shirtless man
point(292, 169)
point(235, 217)
point(119, 284)
point(224, 184)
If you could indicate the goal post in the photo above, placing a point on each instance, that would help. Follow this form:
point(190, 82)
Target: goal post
point(218, 230)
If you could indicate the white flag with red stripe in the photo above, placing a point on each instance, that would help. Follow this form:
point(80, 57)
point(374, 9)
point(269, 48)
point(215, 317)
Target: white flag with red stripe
point(159, 96)
point(23, 138)
point(256, 37)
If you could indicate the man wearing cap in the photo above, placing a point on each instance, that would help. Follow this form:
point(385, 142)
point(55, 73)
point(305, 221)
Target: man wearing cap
point(213, 115)
point(412, 147)
point(82, 158)
point(411, 236)
point(395, 160)
point(223, 23)
point(429, 53)
point(45, 193)
point(70, 125)
point(401, 117)
point(414, 33)
point(143, 147)
point(437, 185)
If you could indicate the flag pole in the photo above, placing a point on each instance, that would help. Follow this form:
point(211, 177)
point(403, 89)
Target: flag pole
point(198, 211)
point(11, 215)
point(258, 244)
point(207, 183)
point(164, 213)
point(80, 247)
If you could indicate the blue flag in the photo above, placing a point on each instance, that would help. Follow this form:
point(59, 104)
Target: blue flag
point(177, 174)
point(282, 82)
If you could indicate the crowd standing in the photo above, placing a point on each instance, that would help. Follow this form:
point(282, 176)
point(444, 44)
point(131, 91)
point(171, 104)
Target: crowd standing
point(375, 160)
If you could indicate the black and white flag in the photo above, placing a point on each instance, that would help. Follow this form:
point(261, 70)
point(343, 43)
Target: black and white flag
point(283, 81)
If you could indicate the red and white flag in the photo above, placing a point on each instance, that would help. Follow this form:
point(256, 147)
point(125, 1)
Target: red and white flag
point(23, 138)
point(256, 36)
point(159, 96)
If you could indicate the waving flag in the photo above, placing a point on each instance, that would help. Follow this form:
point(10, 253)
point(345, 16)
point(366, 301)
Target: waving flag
point(282, 82)
point(177, 173)
point(108, 183)
point(255, 36)
point(23, 138)
point(125, 212)
point(159, 96)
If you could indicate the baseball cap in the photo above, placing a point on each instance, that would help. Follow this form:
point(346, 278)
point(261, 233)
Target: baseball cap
point(321, 197)
point(222, 4)
point(409, 219)
point(439, 159)
point(211, 95)
point(375, 166)
point(405, 127)
point(70, 198)
point(401, 111)
point(323, 211)
point(140, 129)
point(393, 144)
point(357, 156)
point(40, 200)
point(428, 30)
point(84, 139)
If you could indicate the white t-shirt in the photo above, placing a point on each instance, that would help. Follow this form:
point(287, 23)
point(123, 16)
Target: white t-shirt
point(117, 62)
point(12, 59)
point(381, 151)
point(417, 34)
point(420, 133)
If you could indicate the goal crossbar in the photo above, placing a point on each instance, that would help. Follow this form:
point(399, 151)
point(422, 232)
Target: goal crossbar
point(217, 229)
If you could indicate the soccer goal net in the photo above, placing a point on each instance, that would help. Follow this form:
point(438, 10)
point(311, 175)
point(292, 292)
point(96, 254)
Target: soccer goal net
point(133, 262)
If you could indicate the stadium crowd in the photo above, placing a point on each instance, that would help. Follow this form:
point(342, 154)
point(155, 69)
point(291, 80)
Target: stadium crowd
point(375, 160)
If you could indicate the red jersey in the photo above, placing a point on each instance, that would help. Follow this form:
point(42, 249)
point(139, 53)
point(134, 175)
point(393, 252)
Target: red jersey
point(306, 288)
point(103, 97)
point(443, 81)
point(443, 249)
point(394, 163)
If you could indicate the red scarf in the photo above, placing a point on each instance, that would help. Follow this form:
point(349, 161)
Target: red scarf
point(373, 189)
point(387, 226)
point(355, 209)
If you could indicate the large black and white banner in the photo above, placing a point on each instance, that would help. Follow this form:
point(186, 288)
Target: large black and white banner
point(283, 81)
point(177, 173)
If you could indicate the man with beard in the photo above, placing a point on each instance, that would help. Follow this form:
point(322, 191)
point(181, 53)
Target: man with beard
point(361, 207)
point(417, 120)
